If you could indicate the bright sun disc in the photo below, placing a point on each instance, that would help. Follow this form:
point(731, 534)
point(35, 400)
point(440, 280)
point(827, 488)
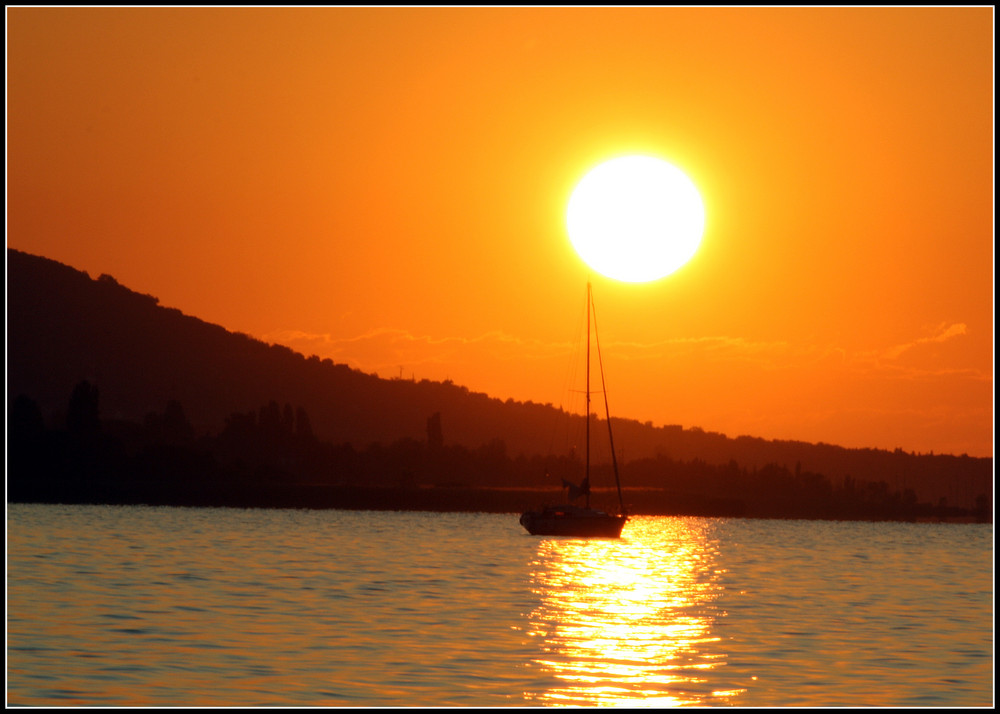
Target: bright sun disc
point(635, 218)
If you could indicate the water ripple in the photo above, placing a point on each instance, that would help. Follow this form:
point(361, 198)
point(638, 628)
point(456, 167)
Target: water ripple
point(136, 606)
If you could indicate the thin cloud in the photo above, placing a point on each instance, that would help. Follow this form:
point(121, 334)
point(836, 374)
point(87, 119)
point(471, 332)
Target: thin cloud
point(385, 348)
point(944, 334)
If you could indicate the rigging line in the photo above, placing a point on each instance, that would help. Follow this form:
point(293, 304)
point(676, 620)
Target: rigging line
point(607, 411)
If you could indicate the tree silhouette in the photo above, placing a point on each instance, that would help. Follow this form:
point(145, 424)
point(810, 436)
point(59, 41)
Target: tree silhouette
point(82, 417)
point(303, 427)
point(435, 437)
point(171, 427)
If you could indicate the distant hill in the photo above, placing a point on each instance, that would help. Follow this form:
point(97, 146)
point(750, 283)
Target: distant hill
point(64, 327)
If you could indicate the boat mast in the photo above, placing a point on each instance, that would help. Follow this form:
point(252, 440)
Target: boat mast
point(587, 472)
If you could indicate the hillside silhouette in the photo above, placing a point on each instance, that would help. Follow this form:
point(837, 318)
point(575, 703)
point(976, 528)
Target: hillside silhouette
point(66, 329)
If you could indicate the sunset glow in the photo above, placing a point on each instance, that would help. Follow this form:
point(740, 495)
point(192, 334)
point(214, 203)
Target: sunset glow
point(388, 188)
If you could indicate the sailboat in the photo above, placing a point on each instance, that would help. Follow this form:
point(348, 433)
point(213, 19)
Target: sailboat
point(568, 519)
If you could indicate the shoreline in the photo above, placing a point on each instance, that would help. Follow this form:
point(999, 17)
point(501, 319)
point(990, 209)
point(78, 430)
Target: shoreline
point(641, 502)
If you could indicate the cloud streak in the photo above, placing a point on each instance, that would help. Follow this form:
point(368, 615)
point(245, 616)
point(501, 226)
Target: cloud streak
point(389, 348)
point(385, 348)
point(944, 334)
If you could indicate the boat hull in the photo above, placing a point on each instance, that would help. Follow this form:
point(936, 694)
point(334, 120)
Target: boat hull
point(578, 523)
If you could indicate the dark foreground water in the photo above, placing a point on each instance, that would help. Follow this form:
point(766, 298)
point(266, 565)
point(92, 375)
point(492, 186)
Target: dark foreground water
point(141, 606)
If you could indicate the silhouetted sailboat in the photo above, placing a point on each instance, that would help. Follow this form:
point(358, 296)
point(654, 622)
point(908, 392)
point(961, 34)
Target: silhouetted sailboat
point(568, 519)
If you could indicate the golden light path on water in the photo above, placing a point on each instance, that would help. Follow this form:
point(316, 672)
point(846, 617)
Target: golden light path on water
point(630, 621)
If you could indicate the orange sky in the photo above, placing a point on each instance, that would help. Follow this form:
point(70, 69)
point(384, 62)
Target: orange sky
point(387, 188)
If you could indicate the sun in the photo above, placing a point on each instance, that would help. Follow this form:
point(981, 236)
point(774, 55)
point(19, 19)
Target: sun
point(635, 218)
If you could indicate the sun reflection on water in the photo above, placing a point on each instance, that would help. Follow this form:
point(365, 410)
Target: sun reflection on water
point(629, 620)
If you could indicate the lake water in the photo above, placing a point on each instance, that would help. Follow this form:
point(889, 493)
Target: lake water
point(144, 606)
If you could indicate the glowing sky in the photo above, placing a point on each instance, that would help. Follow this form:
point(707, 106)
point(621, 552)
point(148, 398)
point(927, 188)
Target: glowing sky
point(387, 187)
